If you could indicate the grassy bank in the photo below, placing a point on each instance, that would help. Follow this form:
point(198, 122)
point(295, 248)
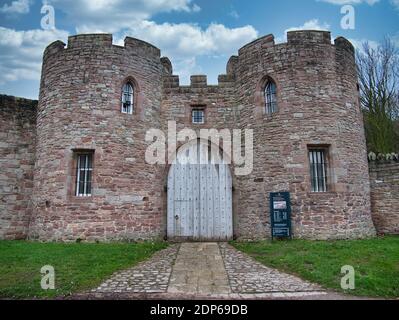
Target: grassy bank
point(77, 266)
point(376, 262)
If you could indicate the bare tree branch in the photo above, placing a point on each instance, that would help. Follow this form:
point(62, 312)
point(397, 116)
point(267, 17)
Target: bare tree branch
point(378, 72)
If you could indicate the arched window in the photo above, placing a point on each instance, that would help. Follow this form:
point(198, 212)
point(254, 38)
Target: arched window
point(128, 98)
point(270, 97)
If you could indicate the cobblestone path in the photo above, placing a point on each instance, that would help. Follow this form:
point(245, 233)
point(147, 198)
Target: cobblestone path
point(151, 276)
point(248, 276)
point(205, 270)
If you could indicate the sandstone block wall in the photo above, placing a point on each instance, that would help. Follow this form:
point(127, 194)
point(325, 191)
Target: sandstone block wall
point(79, 109)
point(384, 178)
point(17, 159)
point(221, 112)
point(318, 106)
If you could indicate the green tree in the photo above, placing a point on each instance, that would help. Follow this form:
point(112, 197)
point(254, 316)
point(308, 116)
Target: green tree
point(378, 71)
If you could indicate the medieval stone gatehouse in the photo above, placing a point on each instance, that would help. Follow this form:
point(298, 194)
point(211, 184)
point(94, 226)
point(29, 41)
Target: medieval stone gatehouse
point(76, 168)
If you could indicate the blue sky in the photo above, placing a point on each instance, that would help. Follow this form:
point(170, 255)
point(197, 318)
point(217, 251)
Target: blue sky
point(199, 36)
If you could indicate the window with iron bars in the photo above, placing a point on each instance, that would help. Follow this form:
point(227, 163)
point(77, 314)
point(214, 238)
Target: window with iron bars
point(198, 116)
point(318, 159)
point(270, 98)
point(127, 99)
point(84, 174)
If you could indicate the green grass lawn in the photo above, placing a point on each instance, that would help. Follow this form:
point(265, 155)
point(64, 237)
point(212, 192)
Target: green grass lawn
point(77, 266)
point(376, 262)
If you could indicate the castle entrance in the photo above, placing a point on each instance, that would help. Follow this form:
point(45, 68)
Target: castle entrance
point(200, 195)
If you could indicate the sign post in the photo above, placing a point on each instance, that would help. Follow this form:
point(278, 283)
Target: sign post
point(280, 213)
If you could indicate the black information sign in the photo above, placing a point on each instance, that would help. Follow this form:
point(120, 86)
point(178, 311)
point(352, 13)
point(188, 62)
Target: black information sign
point(280, 213)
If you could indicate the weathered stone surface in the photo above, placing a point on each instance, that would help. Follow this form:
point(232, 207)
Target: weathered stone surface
point(204, 270)
point(318, 105)
point(317, 80)
point(384, 177)
point(79, 109)
point(17, 159)
point(199, 269)
point(151, 276)
point(248, 276)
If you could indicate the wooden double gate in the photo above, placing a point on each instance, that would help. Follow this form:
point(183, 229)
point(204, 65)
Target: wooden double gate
point(200, 195)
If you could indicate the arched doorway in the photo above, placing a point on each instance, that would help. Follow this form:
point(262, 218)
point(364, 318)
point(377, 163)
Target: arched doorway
point(200, 194)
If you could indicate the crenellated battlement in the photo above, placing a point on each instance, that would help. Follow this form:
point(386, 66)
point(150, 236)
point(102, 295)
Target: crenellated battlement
point(142, 47)
point(260, 43)
point(89, 40)
point(302, 37)
point(197, 82)
point(17, 102)
point(99, 100)
point(86, 41)
point(146, 50)
point(54, 47)
point(344, 44)
point(167, 66)
point(264, 44)
point(298, 38)
point(232, 65)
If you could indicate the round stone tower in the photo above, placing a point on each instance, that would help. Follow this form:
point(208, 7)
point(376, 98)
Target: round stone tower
point(317, 110)
point(300, 98)
point(80, 113)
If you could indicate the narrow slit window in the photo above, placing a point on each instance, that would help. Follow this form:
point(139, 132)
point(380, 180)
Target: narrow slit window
point(128, 98)
point(84, 175)
point(198, 116)
point(270, 98)
point(318, 170)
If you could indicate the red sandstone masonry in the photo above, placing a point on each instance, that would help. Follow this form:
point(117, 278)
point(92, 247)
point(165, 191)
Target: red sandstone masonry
point(79, 108)
point(17, 159)
point(318, 105)
point(384, 178)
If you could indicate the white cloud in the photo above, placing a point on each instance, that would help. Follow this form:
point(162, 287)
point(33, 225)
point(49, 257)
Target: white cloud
point(343, 2)
point(358, 43)
point(114, 15)
point(313, 24)
point(17, 6)
point(187, 40)
point(185, 68)
point(21, 52)
point(183, 43)
point(233, 13)
point(395, 3)
point(395, 40)
point(196, 8)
